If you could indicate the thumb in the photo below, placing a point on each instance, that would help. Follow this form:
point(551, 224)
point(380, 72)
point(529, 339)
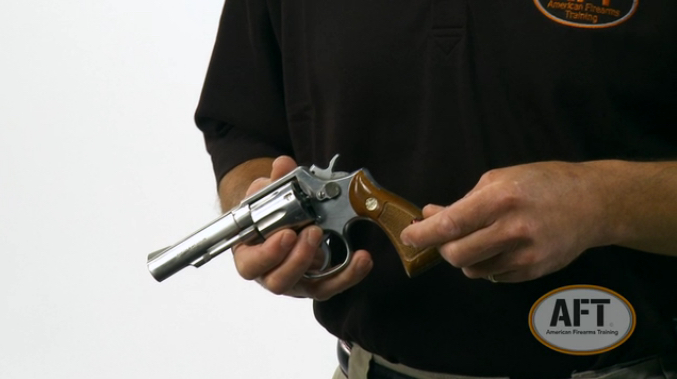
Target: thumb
point(281, 167)
point(431, 209)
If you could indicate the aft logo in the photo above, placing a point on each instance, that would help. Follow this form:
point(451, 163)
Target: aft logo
point(582, 320)
point(588, 13)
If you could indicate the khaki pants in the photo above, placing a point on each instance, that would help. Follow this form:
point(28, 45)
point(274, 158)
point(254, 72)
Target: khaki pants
point(663, 367)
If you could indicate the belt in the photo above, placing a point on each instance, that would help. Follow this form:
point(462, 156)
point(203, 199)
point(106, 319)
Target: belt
point(343, 351)
point(376, 371)
point(656, 366)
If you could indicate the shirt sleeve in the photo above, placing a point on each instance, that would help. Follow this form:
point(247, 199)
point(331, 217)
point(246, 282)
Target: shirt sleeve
point(241, 109)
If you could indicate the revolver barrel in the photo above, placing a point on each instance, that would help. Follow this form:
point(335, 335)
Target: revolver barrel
point(283, 207)
point(167, 262)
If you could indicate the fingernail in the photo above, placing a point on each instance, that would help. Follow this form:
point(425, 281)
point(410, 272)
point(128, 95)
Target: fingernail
point(314, 236)
point(287, 240)
point(407, 241)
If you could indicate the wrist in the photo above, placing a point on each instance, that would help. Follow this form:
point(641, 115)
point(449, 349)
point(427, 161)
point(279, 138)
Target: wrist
point(610, 190)
point(638, 203)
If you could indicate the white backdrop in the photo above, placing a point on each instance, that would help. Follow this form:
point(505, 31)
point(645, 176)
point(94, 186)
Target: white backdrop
point(100, 164)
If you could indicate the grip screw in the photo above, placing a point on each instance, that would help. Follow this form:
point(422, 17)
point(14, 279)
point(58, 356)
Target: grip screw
point(371, 203)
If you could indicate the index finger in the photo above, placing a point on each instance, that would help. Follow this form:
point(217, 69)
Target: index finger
point(460, 219)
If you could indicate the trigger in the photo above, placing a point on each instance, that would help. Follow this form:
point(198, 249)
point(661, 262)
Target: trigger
point(330, 266)
point(326, 250)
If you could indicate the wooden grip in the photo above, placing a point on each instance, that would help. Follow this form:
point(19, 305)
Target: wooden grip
point(392, 214)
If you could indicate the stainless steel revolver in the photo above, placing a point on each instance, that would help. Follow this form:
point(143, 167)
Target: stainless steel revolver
point(331, 200)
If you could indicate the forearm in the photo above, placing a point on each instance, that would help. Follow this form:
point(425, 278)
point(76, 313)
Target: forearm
point(640, 204)
point(233, 186)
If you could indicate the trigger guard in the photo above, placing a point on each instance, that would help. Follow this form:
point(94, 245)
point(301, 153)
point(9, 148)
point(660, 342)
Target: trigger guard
point(323, 271)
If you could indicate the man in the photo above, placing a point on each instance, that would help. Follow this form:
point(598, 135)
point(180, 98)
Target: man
point(543, 132)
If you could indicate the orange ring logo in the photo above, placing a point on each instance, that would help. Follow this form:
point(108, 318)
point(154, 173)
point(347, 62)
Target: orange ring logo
point(588, 13)
point(582, 320)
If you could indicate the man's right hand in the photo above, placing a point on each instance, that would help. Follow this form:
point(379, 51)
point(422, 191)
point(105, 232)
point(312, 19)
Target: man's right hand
point(280, 262)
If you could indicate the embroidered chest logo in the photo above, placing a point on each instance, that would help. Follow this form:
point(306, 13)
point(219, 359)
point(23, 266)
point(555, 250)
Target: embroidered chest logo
point(588, 13)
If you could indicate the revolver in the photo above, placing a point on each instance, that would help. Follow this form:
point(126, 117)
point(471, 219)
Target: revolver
point(305, 196)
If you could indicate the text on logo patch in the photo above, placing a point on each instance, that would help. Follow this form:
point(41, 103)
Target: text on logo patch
point(588, 13)
point(582, 320)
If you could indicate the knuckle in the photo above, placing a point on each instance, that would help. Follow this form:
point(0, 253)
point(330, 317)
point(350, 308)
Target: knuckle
point(276, 285)
point(508, 198)
point(528, 274)
point(447, 224)
point(318, 294)
point(527, 259)
point(245, 271)
point(519, 230)
point(451, 254)
point(326, 290)
point(252, 262)
point(269, 257)
point(257, 184)
point(241, 266)
point(473, 273)
point(322, 296)
point(490, 176)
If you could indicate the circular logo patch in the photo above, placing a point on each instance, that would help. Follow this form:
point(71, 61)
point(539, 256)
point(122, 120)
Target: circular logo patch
point(582, 320)
point(588, 13)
